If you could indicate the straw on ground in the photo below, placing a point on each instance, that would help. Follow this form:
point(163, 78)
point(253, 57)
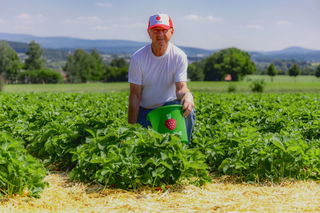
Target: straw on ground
point(219, 196)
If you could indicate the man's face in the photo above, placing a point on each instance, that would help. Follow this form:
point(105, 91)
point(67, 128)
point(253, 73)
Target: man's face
point(160, 36)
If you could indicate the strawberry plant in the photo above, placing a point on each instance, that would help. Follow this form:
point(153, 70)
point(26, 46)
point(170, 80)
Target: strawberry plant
point(256, 136)
point(131, 157)
point(19, 171)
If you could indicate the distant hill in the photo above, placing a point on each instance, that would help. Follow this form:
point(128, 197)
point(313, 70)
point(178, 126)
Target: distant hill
point(290, 53)
point(60, 45)
point(49, 53)
point(103, 46)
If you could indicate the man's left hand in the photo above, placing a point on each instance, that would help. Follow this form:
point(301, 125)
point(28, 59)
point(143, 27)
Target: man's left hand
point(187, 104)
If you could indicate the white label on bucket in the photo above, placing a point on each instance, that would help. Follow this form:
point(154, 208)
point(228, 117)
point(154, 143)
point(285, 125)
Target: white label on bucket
point(168, 116)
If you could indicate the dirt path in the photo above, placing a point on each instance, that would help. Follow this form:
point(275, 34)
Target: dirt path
point(219, 196)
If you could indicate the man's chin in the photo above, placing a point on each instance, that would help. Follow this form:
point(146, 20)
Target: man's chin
point(161, 42)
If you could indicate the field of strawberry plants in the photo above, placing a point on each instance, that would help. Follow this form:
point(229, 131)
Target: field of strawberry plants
point(256, 137)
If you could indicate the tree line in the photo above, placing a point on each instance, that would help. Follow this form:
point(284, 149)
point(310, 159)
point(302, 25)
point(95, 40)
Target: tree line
point(82, 66)
point(33, 70)
point(233, 64)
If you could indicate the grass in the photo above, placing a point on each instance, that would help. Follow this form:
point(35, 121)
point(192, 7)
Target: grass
point(284, 78)
point(280, 84)
point(74, 88)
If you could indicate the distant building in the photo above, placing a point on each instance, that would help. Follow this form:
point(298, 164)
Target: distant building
point(228, 77)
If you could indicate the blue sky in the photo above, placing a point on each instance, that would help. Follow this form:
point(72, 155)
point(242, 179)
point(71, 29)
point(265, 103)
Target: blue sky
point(211, 24)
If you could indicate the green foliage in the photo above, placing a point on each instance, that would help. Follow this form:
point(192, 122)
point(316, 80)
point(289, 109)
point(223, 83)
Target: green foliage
point(317, 74)
point(83, 67)
point(232, 88)
point(257, 85)
point(283, 66)
point(231, 61)
point(19, 171)
point(64, 125)
point(9, 62)
point(2, 82)
point(254, 136)
point(117, 71)
point(40, 76)
point(195, 71)
point(294, 71)
point(132, 157)
point(116, 74)
point(98, 66)
point(118, 62)
point(259, 137)
point(34, 59)
point(271, 71)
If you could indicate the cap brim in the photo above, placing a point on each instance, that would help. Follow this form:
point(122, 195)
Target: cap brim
point(166, 27)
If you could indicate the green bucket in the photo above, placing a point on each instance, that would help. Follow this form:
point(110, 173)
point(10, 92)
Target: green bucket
point(169, 119)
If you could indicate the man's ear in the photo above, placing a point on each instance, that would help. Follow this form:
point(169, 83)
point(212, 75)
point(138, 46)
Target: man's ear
point(172, 31)
point(148, 30)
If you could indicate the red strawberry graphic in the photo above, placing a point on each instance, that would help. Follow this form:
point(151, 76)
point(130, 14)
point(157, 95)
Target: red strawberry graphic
point(170, 123)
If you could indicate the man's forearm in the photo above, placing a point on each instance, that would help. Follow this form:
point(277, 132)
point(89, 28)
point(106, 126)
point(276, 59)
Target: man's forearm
point(133, 110)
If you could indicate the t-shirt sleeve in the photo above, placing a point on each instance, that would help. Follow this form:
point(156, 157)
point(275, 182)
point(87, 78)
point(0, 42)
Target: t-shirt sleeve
point(134, 73)
point(181, 69)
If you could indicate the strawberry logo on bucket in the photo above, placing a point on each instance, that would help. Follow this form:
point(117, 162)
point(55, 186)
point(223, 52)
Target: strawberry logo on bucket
point(170, 123)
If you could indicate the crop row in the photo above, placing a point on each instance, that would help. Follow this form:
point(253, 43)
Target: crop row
point(257, 137)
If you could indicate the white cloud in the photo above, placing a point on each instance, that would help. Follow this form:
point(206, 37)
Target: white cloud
point(104, 4)
point(193, 17)
point(2, 21)
point(284, 22)
point(84, 20)
point(26, 18)
point(101, 28)
point(254, 26)
point(214, 19)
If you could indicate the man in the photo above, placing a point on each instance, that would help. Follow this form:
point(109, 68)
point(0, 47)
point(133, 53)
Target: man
point(158, 75)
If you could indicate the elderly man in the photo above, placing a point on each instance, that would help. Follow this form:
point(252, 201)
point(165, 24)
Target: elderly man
point(158, 75)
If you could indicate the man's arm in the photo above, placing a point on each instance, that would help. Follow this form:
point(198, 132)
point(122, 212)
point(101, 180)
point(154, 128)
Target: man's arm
point(184, 94)
point(134, 103)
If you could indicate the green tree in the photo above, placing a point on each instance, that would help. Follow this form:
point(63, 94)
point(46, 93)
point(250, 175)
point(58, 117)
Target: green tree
point(1, 82)
point(78, 66)
point(98, 67)
point(272, 71)
point(118, 62)
point(116, 74)
point(195, 71)
point(34, 59)
point(294, 71)
point(117, 70)
point(231, 61)
point(40, 76)
point(318, 72)
point(82, 66)
point(9, 62)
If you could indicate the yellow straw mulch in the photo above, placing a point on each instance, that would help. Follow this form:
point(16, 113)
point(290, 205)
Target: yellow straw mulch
point(221, 195)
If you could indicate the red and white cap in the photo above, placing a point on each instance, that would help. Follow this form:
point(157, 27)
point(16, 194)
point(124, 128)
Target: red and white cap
point(160, 20)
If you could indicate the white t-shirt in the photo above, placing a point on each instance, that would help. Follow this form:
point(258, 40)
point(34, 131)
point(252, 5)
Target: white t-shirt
point(157, 74)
